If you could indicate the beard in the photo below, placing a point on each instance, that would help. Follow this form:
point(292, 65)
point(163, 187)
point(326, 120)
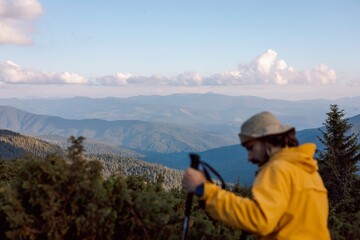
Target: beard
point(261, 158)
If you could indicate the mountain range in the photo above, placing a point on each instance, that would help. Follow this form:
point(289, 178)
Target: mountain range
point(211, 112)
point(135, 134)
point(165, 129)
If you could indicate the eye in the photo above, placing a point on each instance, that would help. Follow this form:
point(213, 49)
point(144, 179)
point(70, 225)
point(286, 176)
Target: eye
point(249, 147)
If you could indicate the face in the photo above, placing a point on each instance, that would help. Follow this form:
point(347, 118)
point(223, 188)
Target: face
point(257, 152)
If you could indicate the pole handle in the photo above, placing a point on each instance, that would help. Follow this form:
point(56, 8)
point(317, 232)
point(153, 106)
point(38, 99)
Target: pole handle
point(195, 160)
point(194, 163)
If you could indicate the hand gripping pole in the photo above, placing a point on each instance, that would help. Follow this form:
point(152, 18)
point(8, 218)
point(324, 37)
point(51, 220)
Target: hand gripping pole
point(195, 160)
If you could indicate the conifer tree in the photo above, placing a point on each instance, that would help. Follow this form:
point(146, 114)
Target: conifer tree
point(338, 161)
point(338, 166)
point(76, 149)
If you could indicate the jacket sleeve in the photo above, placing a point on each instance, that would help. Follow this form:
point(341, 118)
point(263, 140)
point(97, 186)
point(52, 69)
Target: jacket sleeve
point(260, 215)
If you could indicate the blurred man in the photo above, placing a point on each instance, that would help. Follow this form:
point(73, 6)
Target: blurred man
point(289, 198)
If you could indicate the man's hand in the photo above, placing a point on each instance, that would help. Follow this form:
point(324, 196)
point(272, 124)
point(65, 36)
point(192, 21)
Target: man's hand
point(192, 178)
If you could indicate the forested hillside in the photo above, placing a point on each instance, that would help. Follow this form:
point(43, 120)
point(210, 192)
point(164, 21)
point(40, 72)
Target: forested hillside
point(129, 167)
point(14, 145)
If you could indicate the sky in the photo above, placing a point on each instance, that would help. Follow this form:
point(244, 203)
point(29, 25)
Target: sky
point(277, 49)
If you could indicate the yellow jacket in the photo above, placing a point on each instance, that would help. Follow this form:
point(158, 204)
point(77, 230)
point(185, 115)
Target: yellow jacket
point(289, 199)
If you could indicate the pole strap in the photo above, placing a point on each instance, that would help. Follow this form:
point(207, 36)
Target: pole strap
point(206, 168)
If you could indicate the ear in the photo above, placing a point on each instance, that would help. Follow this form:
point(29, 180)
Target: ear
point(271, 149)
point(268, 149)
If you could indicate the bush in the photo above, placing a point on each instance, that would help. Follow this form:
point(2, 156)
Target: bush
point(53, 200)
point(50, 198)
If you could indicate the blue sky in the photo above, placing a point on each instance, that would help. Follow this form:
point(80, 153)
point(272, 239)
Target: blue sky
point(274, 49)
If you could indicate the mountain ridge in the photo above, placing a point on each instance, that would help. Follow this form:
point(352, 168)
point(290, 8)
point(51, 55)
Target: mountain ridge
point(133, 134)
point(205, 111)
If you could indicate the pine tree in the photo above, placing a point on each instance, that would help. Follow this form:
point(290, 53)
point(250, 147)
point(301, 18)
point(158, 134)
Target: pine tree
point(338, 166)
point(338, 161)
point(76, 149)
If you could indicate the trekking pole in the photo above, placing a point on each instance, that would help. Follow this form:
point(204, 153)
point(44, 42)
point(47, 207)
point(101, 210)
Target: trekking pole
point(195, 159)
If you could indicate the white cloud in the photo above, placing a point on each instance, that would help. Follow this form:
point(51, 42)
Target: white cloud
point(225, 78)
point(188, 78)
point(264, 70)
point(122, 79)
point(15, 20)
point(71, 78)
point(265, 63)
point(112, 80)
point(321, 74)
point(184, 79)
point(12, 73)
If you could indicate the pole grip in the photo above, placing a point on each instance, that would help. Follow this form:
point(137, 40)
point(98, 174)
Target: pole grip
point(194, 163)
point(195, 160)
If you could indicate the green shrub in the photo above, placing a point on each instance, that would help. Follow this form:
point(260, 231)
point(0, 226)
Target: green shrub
point(54, 198)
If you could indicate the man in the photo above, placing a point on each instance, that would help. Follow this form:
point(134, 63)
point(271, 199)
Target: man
point(289, 198)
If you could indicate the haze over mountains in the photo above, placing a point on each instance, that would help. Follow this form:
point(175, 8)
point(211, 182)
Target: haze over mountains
point(211, 112)
point(164, 129)
point(135, 134)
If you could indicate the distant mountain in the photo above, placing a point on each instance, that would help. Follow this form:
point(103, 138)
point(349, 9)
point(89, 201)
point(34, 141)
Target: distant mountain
point(15, 145)
point(355, 122)
point(93, 147)
point(231, 161)
point(148, 136)
point(164, 129)
point(211, 112)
